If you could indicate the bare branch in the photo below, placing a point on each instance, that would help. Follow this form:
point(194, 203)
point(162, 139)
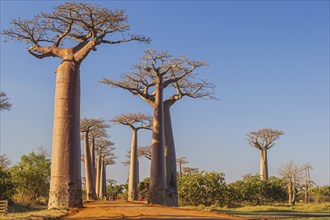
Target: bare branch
point(135, 121)
point(264, 139)
point(77, 21)
point(4, 102)
point(145, 151)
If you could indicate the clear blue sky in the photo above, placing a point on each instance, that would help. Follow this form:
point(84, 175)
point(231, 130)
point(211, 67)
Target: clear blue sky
point(269, 61)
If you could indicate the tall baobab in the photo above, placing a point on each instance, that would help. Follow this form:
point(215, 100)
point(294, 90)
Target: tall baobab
point(109, 160)
point(88, 25)
point(307, 167)
point(180, 161)
point(94, 127)
point(4, 102)
point(263, 140)
point(98, 132)
point(104, 150)
point(186, 87)
point(85, 127)
point(292, 174)
point(135, 122)
point(148, 79)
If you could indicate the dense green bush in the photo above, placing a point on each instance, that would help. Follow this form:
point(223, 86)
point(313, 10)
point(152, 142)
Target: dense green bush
point(7, 187)
point(251, 190)
point(31, 177)
point(143, 189)
point(202, 188)
point(321, 193)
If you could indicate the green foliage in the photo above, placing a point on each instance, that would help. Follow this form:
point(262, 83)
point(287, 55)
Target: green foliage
point(254, 191)
point(31, 176)
point(143, 188)
point(7, 187)
point(114, 191)
point(321, 193)
point(202, 188)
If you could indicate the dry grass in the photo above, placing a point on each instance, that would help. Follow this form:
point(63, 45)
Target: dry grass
point(22, 211)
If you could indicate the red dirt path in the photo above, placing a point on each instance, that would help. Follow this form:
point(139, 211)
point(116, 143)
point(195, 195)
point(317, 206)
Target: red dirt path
point(128, 210)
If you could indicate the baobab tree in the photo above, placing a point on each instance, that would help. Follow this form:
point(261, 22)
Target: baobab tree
point(263, 140)
point(95, 126)
point(180, 161)
point(99, 132)
point(4, 102)
point(106, 161)
point(186, 87)
point(136, 122)
point(148, 79)
point(307, 168)
point(88, 25)
point(293, 176)
point(104, 148)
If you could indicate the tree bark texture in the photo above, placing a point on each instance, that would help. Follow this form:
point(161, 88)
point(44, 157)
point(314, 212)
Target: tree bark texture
point(134, 169)
point(170, 160)
point(98, 176)
point(89, 171)
point(102, 185)
point(263, 165)
point(65, 182)
point(104, 182)
point(92, 153)
point(157, 188)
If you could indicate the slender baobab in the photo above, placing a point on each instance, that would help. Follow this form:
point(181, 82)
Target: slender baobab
point(135, 122)
point(148, 80)
point(4, 102)
point(99, 132)
point(180, 161)
point(293, 175)
point(103, 150)
point(88, 126)
point(87, 25)
point(263, 140)
point(109, 160)
point(307, 167)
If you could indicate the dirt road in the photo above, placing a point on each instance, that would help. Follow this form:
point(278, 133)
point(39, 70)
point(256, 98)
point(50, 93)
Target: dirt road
point(127, 210)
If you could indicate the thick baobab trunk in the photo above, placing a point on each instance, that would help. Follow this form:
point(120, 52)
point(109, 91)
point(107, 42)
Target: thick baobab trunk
point(170, 160)
point(98, 176)
point(263, 165)
point(65, 182)
point(134, 169)
point(89, 181)
point(157, 187)
point(292, 193)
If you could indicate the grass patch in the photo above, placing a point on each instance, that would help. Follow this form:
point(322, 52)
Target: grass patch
point(301, 210)
point(301, 207)
point(23, 211)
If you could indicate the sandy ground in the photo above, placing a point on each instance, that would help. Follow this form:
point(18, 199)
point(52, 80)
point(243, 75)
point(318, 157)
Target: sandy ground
point(128, 210)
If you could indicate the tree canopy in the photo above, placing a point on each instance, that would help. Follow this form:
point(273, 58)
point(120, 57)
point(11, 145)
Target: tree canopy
point(71, 21)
